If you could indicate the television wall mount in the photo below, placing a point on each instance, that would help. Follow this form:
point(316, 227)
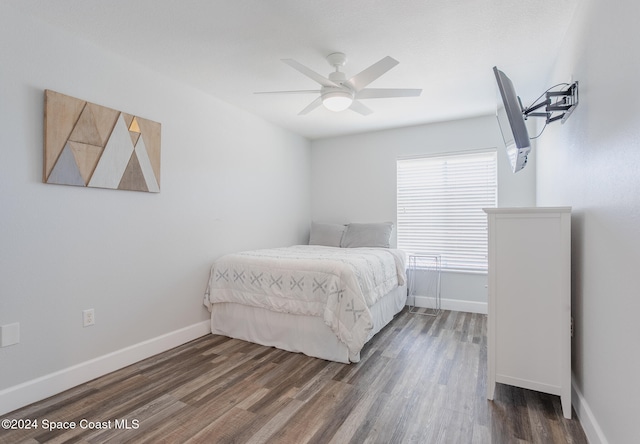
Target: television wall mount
point(558, 105)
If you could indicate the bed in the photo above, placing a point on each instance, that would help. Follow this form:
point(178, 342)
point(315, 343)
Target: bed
point(326, 299)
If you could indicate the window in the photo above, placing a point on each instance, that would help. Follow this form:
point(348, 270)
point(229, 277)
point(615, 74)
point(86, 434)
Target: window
point(440, 202)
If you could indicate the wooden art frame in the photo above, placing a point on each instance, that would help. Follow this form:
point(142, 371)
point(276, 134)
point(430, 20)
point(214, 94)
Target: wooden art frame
point(89, 145)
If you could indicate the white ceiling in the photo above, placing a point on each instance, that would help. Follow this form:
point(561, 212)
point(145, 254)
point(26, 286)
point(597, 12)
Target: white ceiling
point(232, 48)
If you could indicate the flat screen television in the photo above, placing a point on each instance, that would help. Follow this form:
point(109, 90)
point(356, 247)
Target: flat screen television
point(511, 122)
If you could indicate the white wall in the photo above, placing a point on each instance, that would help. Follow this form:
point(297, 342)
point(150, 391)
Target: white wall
point(592, 163)
point(230, 181)
point(354, 180)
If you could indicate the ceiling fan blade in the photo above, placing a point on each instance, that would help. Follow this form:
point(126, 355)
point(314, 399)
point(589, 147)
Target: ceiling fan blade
point(306, 91)
point(309, 73)
point(362, 79)
point(384, 93)
point(360, 108)
point(310, 107)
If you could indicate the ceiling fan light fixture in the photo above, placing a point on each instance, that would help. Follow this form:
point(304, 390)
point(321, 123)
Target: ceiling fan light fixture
point(337, 100)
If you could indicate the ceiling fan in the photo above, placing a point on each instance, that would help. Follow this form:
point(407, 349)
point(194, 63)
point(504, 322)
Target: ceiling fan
point(338, 94)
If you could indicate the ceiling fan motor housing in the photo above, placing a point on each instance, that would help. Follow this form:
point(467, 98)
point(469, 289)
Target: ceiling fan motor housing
point(337, 98)
point(338, 78)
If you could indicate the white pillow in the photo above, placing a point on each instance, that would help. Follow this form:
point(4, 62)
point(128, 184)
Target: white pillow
point(376, 235)
point(329, 235)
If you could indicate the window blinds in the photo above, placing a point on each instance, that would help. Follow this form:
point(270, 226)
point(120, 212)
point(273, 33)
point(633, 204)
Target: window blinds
point(440, 202)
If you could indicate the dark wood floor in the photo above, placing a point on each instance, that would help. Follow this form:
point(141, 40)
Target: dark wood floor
point(421, 380)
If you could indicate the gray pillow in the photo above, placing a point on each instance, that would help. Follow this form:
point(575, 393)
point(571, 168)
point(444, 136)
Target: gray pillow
point(368, 235)
point(329, 235)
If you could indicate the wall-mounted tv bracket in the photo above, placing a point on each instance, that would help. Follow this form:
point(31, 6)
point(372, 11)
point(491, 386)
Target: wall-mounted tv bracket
point(563, 102)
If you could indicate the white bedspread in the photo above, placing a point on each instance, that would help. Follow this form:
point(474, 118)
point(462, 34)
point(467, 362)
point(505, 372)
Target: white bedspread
point(337, 284)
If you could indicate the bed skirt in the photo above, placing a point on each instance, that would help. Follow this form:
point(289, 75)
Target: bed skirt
point(298, 333)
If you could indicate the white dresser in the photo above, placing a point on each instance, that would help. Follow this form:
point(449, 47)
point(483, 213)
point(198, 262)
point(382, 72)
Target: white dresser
point(529, 321)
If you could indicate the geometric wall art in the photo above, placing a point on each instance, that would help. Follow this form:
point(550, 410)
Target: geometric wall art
point(89, 145)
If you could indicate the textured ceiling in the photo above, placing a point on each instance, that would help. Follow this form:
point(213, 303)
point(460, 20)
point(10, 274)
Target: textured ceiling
point(231, 49)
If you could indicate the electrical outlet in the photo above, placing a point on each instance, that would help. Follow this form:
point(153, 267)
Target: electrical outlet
point(88, 317)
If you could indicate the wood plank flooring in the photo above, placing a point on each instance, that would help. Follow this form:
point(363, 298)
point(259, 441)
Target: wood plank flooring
point(421, 380)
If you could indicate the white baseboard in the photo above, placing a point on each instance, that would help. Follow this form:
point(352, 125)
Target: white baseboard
point(585, 415)
point(449, 304)
point(40, 388)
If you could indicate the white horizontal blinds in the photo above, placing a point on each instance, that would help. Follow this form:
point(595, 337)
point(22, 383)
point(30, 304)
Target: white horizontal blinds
point(440, 202)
